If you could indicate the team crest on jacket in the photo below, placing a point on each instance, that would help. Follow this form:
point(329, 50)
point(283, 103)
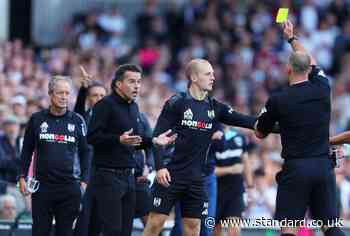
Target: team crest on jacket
point(211, 114)
point(71, 127)
point(188, 115)
point(44, 127)
point(157, 201)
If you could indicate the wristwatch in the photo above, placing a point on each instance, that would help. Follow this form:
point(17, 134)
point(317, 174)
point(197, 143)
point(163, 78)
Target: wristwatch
point(290, 40)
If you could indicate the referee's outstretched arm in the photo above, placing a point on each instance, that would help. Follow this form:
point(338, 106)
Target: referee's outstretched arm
point(296, 45)
point(268, 116)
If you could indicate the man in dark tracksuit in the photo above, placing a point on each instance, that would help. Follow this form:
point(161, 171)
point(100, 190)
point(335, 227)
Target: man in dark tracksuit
point(144, 165)
point(303, 111)
point(114, 135)
point(194, 116)
point(57, 137)
point(89, 94)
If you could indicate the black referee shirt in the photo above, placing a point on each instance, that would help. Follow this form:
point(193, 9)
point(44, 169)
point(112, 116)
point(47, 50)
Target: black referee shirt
point(303, 113)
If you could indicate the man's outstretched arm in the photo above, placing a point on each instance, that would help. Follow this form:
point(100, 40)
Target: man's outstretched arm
point(288, 30)
point(340, 138)
point(228, 116)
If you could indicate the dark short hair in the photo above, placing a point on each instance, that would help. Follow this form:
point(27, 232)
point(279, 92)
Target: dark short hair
point(95, 84)
point(119, 73)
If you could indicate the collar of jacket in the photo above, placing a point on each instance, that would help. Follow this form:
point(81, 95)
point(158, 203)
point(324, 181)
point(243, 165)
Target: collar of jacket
point(48, 112)
point(189, 96)
point(119, 98)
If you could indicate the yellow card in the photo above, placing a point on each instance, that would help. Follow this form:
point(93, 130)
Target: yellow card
point(282, 15)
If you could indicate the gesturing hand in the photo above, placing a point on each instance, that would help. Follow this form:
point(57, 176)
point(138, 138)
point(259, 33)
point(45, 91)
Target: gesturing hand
point(164, 139)
point(127, 139)
point(86, 78)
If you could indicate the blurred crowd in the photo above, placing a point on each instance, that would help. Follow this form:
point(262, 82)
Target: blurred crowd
point(240, 39)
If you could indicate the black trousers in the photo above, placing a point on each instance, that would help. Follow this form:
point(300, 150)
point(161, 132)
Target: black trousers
point(86, 225)
point(111, 204)
point(55, 201)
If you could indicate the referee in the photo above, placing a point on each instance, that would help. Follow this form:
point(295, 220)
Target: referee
point(303, 111)
point(115, 137)
point(57, 136)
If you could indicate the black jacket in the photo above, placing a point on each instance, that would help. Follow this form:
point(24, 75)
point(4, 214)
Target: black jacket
point(195, 122)
point(80, 105)
point(303, 112)
point(60, 147)
point(111, 117)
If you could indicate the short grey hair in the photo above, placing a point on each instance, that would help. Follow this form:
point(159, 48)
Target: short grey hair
point(57, 78)
point(300, 62)
point(7, 198)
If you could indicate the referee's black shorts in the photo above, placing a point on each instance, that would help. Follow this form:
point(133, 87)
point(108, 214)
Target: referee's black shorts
point(304, 183)
point(190, 194)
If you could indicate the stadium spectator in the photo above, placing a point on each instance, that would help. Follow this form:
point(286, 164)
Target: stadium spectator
point(7, 207)
point(262, 203)
point(9, 151)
